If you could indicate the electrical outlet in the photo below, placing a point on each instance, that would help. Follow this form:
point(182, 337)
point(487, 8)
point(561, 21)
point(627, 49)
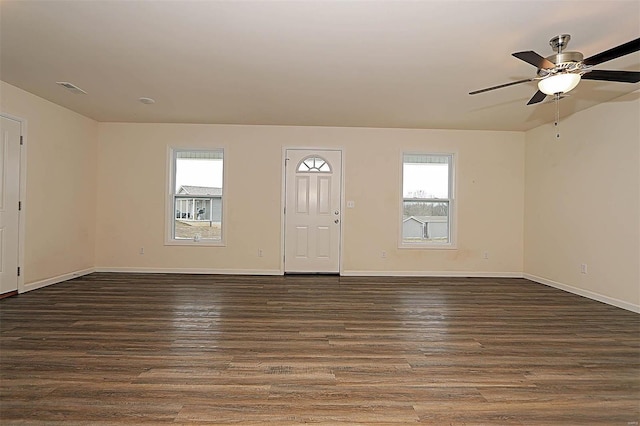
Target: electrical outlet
point(141, 250)
point(485, 255)
point(260, 253)
point(383, 254)
point(583, 268)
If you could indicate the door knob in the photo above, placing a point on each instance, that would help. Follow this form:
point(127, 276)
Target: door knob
point(336, 221)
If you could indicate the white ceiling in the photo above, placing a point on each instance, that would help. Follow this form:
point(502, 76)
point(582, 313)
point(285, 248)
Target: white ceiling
point(406, 64)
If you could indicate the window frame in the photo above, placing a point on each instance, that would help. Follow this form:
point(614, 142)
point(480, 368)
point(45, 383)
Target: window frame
point(452, 210)
point(170, 197)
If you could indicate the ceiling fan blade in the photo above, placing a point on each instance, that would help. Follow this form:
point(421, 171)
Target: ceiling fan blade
point(619, 76)
point(613, 53)
point(475, 92)
point(538, 97)
point(534, 59)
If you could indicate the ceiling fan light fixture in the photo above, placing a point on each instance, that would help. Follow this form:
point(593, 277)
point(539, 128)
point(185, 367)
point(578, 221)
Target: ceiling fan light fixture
point(559, 83)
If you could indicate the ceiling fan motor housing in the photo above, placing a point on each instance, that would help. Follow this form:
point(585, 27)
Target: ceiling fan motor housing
point(565, 62)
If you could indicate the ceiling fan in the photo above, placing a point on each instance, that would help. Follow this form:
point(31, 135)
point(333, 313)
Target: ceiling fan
point(562, 71)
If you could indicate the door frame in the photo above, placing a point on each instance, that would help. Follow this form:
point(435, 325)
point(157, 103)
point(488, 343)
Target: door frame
point(283, 200)
point(22, 194)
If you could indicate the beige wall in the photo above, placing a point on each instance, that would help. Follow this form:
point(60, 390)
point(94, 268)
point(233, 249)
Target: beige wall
point(60, 195)
point(131, 188)
point(582, 203)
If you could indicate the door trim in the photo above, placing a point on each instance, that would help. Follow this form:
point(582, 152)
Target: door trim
point(283, 201)
point(22, 191)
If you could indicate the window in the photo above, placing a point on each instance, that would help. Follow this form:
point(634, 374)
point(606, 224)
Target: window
point(195, 197)
point(427, 200)
point(314, 165)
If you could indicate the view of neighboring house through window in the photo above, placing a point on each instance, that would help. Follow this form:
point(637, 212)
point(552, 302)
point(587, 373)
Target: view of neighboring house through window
point(197, 193)
point(427, 199)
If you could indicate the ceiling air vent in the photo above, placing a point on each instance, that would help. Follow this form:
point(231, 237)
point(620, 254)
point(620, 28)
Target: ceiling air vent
point(71, 87)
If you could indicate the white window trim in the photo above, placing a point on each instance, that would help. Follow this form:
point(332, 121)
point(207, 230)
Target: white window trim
point(169, 195)
point(453, 215)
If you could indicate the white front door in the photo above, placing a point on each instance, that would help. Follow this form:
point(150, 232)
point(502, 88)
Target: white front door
point(312, 211)
point(9, 197)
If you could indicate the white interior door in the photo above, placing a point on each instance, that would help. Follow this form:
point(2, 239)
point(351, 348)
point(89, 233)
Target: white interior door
point(9, 197)
point(312, 211)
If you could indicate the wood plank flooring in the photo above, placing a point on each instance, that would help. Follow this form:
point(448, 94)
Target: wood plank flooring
point(198, 349)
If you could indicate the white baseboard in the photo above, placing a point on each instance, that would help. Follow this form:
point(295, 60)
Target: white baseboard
point(585, 293)
point(348, 273)
point(137, 270)
point(55, 280)
point(465, 274)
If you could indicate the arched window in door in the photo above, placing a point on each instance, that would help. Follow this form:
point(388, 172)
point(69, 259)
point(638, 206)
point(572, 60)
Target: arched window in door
point(314, 164)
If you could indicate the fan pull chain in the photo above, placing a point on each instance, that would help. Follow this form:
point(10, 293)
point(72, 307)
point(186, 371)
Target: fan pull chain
point(557, 123)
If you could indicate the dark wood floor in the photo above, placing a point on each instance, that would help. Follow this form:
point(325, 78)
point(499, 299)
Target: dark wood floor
point(129, 348)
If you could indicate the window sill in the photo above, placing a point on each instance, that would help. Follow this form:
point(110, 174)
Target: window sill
point(424, 246)
point(191, 243)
